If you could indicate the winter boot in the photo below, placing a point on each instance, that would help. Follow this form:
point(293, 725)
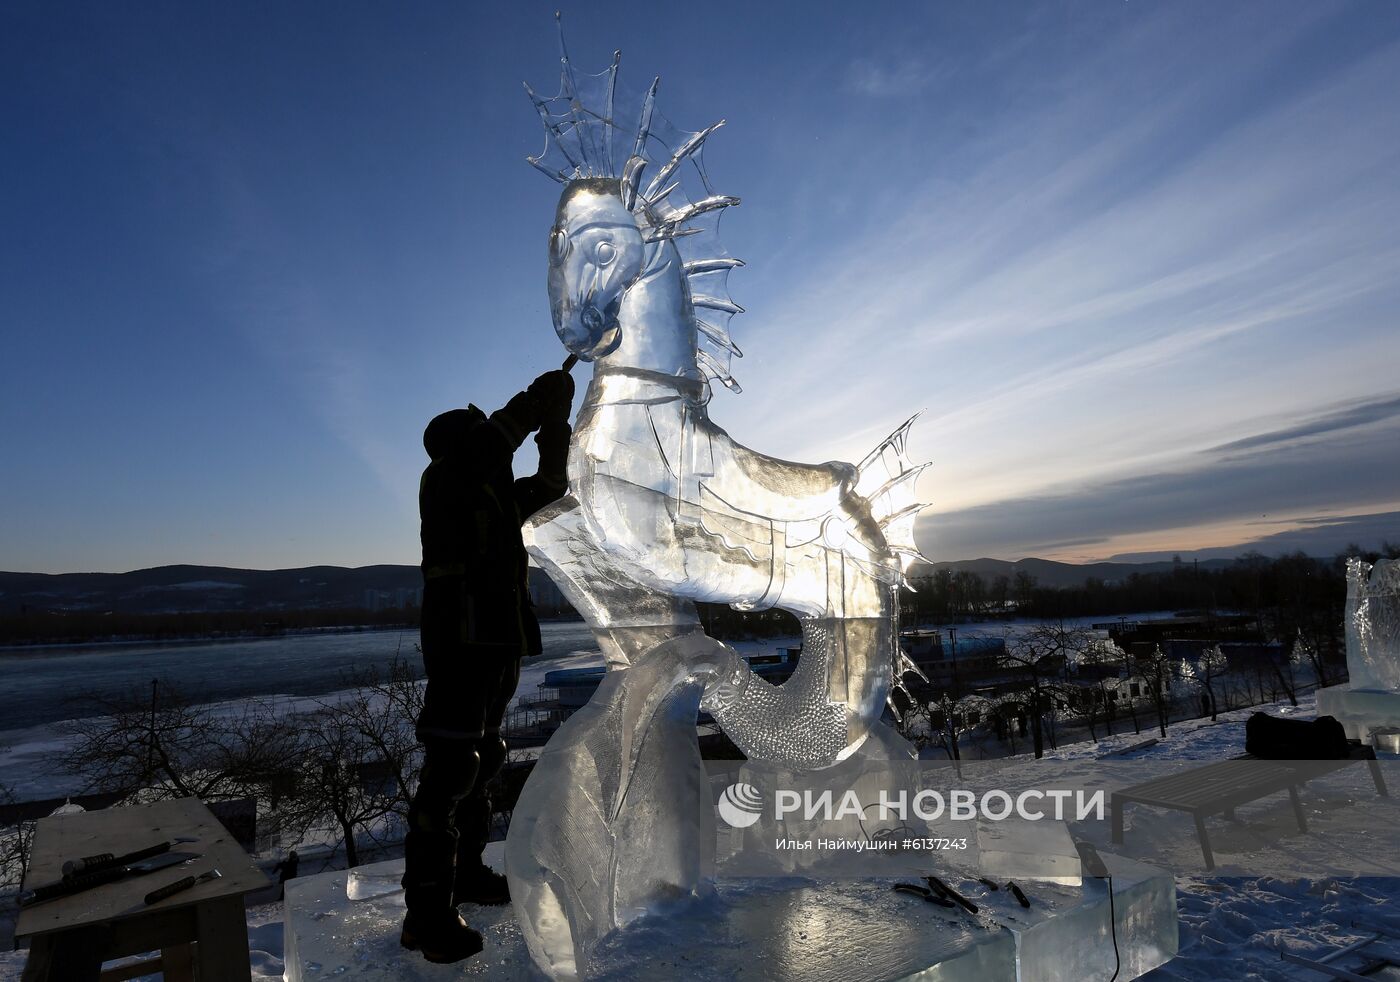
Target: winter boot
point(479, 884)
point(442, 938)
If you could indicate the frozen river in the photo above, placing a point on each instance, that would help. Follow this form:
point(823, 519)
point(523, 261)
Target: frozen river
point(42, 685)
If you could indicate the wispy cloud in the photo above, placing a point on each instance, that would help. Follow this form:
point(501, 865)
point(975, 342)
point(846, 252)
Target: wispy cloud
point(905, 76)
point(1241, 498)
point(1349, 417)
point(1110, 291)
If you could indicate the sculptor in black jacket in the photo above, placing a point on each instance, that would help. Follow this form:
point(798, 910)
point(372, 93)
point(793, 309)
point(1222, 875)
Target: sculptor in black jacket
point(478, 623)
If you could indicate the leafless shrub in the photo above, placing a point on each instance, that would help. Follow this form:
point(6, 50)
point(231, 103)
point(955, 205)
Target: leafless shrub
point(165, 745)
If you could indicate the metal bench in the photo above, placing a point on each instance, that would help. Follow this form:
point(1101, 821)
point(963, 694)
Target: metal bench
point(1222, 787)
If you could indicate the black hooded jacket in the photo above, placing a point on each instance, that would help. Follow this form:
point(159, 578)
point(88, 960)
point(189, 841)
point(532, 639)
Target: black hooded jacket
point(476, 588)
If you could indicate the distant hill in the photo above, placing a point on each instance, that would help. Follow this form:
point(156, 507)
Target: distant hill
point(179, 589)
point(1049, 573)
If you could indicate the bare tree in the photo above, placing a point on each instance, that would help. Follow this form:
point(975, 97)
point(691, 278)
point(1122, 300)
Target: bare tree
point(360, 759)
point(1158, 672)
point(1122, 687)
point(1040, 657)
point(1208, 671)
point(942, 719)
point(383, 709)
point(15, 842)
point(167, 746)
point(340, 785)
point(1023, 590)
point(1098, 668)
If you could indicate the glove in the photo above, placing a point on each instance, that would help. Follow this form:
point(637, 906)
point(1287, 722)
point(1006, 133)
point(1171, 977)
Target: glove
point(554, 391)
point(520, 416)
point(553, 443)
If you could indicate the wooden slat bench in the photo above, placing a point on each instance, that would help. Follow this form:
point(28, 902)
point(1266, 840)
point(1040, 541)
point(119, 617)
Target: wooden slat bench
point(1223, 786)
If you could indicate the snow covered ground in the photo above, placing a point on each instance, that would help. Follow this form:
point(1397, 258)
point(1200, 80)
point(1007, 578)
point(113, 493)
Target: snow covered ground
point(1233, 927)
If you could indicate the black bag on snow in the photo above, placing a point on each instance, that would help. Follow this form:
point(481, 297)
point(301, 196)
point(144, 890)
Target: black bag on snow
point(1295, 739)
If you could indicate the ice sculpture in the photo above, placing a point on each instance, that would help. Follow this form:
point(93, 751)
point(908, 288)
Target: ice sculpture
point(1373, 624)
point(1370, 701)
point(666, 509)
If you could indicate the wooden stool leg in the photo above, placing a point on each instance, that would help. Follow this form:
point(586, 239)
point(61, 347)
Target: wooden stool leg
point(39, 963)
point(1298, 809)
point(62, 956)
point(221, 954)
point(1205, 842)
point(177, 963)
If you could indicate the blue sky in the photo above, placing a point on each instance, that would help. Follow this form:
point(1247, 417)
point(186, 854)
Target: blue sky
point(1136, 262)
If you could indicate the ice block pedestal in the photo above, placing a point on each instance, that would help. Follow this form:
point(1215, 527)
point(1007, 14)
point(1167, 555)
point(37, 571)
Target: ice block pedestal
point(326, 935)
point(1066, 935)
point(1026, 851)
point(771, 928)
point(1361, 712)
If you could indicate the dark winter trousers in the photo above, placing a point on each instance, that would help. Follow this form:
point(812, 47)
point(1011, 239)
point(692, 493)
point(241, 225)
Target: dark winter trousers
point(449, 820)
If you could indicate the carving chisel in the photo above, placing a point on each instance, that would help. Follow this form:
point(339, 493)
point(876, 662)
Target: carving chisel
point(156, 896)
point(97, 877)
point(73, 867)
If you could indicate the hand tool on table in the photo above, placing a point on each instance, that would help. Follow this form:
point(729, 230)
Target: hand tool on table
point(179, 886)
point(106, 874)
point(73, 867)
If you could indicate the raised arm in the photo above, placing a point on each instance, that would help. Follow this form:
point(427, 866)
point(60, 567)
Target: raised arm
point(550, 480)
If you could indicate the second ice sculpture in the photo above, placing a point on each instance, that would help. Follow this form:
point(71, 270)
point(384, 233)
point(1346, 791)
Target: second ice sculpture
point(1373, 624)
point(666, 509)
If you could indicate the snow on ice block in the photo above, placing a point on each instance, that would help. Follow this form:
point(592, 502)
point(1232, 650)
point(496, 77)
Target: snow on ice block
point(326, 935)
point(1360, 710)
point(1019, 849)
point(809, 930)
point(770, 928)
point(861, 931)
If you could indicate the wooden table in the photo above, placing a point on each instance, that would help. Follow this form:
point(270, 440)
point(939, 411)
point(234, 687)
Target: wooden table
point(203, 929)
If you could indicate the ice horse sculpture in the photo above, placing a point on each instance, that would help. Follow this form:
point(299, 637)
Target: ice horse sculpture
point(666, 509)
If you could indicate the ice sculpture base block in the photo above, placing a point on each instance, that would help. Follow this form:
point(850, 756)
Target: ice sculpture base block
point(852, 931)
point(1360, 710)
point(327, 935)
point(1026, 851)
